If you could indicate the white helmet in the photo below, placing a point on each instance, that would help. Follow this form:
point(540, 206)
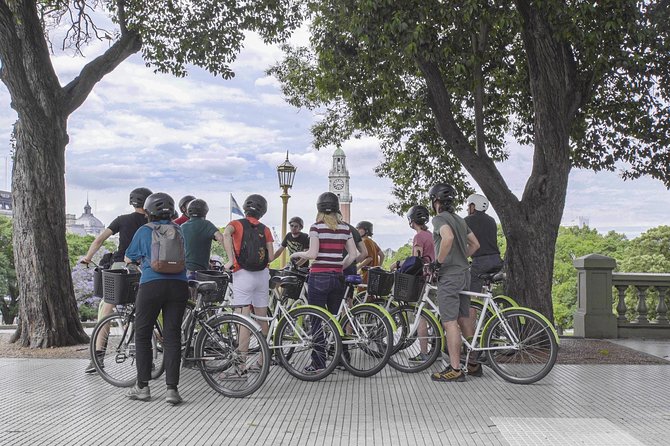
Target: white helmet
point(480, 202)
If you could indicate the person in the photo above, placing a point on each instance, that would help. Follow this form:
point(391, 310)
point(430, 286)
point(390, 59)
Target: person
point(125, 225)
point(158, 292)
point(328, 236)
point(454, 243)
point(487, 257)
point(198, 235)
point(250, 287)
point(375, 256)
point(295, 240)
point(183, 204)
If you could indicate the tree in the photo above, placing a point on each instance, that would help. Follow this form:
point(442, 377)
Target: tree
point(170, 34)
point(443, 85)
point(8, 285)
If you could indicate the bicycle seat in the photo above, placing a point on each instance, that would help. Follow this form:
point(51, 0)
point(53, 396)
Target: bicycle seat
point(284, 280)
point(353, 279)
point(494, 277)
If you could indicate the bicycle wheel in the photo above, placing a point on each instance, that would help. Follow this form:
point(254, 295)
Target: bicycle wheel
point(114, 359)
point(308, 343)
point(226, 367)
point(368, 347)
point(532, 357)
point(408, 356)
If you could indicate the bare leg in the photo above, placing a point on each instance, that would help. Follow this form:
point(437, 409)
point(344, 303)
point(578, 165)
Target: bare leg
point(453, 343)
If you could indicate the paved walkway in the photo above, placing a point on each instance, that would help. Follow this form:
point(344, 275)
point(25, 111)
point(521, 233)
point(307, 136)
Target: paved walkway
point(50, 401)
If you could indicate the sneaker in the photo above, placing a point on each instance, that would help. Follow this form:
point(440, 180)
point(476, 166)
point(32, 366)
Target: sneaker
point(475, 370)
point(172, 397)
point(421, 357)
point(346, 357)
point(255, 368)
point(135, 393)
point(90, 369)
point(312, 369)
point(448, 375)
point(235, 374)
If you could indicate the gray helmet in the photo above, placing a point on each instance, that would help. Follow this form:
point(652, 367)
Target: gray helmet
point(418, 214)
point(297, 220)
point(365, 225)
point(327, 203)
point(138, 196)
point(159, 205)
point(255, 206)
point(197, 208)
point(183, 203)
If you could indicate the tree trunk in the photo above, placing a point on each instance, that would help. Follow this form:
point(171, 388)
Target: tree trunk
point(48, 309)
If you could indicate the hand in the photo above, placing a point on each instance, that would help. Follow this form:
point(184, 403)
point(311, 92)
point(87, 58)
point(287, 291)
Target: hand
point(85, 261)
point(228, 266)
point(435, 266)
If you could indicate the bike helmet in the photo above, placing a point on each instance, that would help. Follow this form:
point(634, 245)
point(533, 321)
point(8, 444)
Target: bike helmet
point(328, 202)
point(480, 202)
point(138, 196)
point(297, 220)
point(365, 225)
point(183, 203)
point(159, 205)
point(197, 208)
point(255, 206)
point(418, 214)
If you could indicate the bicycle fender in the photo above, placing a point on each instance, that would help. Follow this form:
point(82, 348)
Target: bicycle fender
point(386, 314)
point(510, 301)
point(245, 317)
point(323, 311)
point(530, 310)
point(437, 321)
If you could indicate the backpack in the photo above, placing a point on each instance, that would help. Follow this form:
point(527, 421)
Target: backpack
point(412, 265)
point(167, 248)
point(253, 254)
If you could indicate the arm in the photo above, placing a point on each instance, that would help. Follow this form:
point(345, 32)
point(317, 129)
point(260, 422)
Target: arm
point(351, 256)
point(228, 246)
point(381, 255)
point(473, 244)
point(416, 251)
point(445, 244)
point(311, 253)
point(277, 253)
point(271, 251)
point(97, 243)
point(363, 252)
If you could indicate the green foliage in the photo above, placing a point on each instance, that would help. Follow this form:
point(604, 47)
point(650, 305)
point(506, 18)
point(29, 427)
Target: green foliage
point(8, 284)
point(77, 246)
point(401, 254)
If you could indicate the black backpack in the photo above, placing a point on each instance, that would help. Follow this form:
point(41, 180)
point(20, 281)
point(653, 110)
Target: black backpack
point(253, 254)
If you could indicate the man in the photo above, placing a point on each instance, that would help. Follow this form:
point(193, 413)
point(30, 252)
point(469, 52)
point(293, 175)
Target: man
point(295, 240)
point(183, 204)
point(125, 225)
point(454, 243)
point(198, 235)
point(375, 256)
point(487, 257)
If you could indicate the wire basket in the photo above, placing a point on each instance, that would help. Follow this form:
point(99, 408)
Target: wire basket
point(119, 286)
point(380, 282)
point(221, 280)
point(293, 291)
point(408, 287)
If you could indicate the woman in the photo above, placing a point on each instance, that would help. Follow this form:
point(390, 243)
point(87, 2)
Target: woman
point(158, 292)
point(327, 238)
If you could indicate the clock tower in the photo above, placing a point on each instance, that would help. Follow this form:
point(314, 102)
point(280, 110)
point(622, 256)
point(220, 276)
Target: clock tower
point(338, 183)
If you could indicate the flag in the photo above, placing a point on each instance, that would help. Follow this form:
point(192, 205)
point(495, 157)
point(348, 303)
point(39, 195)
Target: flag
point(235, 208)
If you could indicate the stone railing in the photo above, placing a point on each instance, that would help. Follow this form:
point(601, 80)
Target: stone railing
point(601, 292)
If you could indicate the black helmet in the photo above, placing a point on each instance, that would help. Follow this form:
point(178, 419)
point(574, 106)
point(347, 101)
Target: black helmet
point(159, 205)
point(137, 196)
point(328, 202)
point(418, 214)
point(255, 206)
point(197, 208)
point(442, 192)
point(297, 220)
point(366, 225)
point(185, 200)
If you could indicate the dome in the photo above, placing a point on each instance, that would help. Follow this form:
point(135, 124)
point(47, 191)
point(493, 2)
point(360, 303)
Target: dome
point(89, 222)
point(339, 152)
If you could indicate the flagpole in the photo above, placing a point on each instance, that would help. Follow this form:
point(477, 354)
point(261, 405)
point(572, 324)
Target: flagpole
point(230, 207)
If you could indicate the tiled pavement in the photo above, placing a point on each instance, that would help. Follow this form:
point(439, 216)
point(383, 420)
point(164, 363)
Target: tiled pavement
point(51, 402)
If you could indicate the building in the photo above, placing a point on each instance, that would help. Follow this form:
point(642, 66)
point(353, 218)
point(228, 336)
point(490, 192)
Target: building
point(6, 203)
point(338, 183)
point(86, 224)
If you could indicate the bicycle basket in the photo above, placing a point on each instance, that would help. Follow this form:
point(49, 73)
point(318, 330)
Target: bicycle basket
point(221, 280)
point(97, 281)
point(293, 291)
point(273, 273)
point(408, 287)
point(119, 286)
point(380, 282)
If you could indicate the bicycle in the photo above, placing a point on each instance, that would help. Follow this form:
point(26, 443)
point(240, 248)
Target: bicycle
point(521, 346)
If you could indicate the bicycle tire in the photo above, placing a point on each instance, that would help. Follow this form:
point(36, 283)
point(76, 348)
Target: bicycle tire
point(117, 364)
point(534, 356)
point(297, 348)
point(368, 355)
point(409, 347)
point(227, 370)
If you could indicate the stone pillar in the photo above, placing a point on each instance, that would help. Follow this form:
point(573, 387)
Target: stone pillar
point(594, 317)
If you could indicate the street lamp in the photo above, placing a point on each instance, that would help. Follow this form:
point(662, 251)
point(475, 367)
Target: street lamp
point(286, 174)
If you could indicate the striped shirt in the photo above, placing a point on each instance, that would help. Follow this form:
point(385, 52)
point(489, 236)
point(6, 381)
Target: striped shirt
point(331, 243)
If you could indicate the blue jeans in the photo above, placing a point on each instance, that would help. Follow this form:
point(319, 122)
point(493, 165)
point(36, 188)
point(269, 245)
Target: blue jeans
point(324, 290)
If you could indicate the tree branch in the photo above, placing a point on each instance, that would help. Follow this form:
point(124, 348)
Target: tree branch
point(80, 87)
point(121, 15)
point(479, 42)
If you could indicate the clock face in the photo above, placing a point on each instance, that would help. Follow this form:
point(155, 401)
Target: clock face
point(338, 184)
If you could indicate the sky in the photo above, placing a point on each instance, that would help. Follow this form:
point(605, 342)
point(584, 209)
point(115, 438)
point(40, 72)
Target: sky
point(208, 137)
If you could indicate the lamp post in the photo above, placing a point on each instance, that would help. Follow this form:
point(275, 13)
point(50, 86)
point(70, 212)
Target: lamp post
point(286, 174)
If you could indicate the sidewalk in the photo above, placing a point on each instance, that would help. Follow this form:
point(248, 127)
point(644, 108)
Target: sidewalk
point(50, 401)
